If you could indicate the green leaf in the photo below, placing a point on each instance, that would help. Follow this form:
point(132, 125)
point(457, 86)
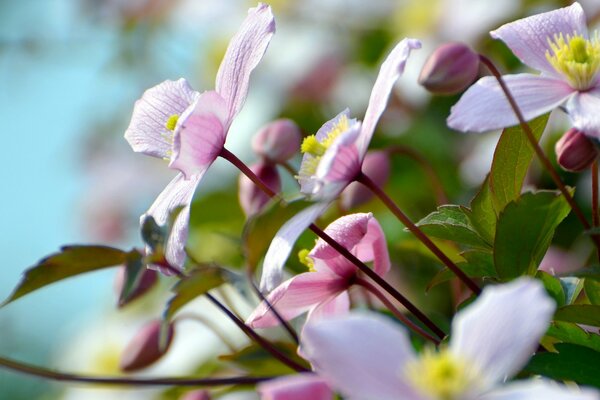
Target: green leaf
point(70, 261)
point(480, 264)
point(482, 214)
point(592, 290)
point(569, 332)
point(572, 287)
point(135, 269)
point(451, 222)
point(587, 314)
point(512, 158)
point(571, 363)
point(256, 359)
point(524, 232)
point(553, 287)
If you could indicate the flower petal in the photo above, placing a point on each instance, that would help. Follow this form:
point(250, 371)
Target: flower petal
point(243, 54)
point(391, 69)
point(338, 305)
point(360, 355)
point(528, 37)
point(373, 247)
point(539, 389)
point(484, 107)
point(295, 387)
point(147, 132)
point(283, 242)
point(583, 109)
point(295, 296)
point(501, 330)
point(348, 231)
point(200, 134)
point(179, 192)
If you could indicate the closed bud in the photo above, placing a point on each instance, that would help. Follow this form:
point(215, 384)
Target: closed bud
point(252, 198)
point(196, 395)
point(278, 141)
point(142, 285)
point(574, 151)
point(144, 349)
point(451, 68)
point(376, 166)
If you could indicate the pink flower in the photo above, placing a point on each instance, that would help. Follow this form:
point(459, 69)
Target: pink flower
point(557, 44)
point(367, 356)
point(295, 387)
point(324, 290)
point(188, 129)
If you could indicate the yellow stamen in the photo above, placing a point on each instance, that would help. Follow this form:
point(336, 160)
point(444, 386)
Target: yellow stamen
point(306, 260)
point(575, 57)
point(311, 145)
point(172, 122)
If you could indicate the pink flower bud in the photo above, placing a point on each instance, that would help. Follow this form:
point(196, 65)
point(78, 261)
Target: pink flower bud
point(376, 166)
point(144, 349)
point(450, 69)
point(277, 141)
point(146, 283)
point(197, 395)
point(252, 198)
point(574, 151)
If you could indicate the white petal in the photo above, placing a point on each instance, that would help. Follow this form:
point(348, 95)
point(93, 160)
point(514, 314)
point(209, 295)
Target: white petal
point(584, 111)
point(539, 389)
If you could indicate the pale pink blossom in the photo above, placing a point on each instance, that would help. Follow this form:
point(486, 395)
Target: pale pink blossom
point(295, 387)
point(188, 129)
point(558, 45)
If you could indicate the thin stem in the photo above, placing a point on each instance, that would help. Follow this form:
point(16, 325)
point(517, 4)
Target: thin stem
point(46, 373)
point(595, 216)
point(289, 168)
point(372, 289)
point(534, 143)
point(210, 325)
point(391, 205)
point(433, 178)
point(341, 249)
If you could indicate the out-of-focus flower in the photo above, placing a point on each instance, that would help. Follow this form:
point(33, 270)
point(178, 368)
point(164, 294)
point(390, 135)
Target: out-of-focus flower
point(376, 166)
point(557, 44)
point(324, 290)
point(277, 141)
point(144, 349)
point(574, 151)
point(366, 356)
point(295, 387)
point(189, 129)
point(451, 68)
point(252, 198)
point(197, 395)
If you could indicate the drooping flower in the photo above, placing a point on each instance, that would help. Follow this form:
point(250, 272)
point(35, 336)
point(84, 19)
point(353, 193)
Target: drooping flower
point(324, 290)
point(557, 44)
point(366, 356)
point(332, 159)
point(188, 129)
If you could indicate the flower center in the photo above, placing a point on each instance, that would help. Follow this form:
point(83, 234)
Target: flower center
point(441, 375)
point(575, 57)
point(172, 122)
point(306, 260)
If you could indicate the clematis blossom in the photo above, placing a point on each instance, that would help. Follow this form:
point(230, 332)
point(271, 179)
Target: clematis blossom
point(367, 356)
point(324, 290)
point(295, 387)
point(332, 159)
point(188, 129)
point(558, 45)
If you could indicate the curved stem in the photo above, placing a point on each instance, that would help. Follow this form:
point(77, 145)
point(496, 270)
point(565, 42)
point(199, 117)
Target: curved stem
point(372, 289)
point(46, 373)
point(289, 168)
point(341, 249)
point(391, 205)
point(210, 325)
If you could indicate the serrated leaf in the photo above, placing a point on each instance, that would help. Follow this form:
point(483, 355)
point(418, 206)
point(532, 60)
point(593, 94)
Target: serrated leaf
point(524, 231)
point(70, 261)
point(592, 290)
point(553, 287)
point(482, 214)
point(512, 158)
point(587, 314)
point(572, 363)
point(479, 264)
point(569, 332)
point(451, 222)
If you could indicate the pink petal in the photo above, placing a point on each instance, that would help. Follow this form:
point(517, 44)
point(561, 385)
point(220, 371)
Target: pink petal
point(295, 387)
point(296, 296)
point(500, 331)
point(338, 305)
point(147, 132)
point(539, 389)
point(329, 125)
point(243, 54)
point(339, 265)
point(584, 111)
point(484, 107)
point(361, 355)
point(390, 71)
point(373, 247)
point(528, 37)
point(283, 242)
point(200, 135)
point(179, 192)
point(348, 231)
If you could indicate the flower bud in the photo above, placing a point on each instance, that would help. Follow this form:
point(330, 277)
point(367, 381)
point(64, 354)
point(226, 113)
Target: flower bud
point(144, 283)
point(451, 68)
point(252, 198)
point(574, 151)
point(376, 166)
point(277, 141)
point(144, 349)
point(200, 394)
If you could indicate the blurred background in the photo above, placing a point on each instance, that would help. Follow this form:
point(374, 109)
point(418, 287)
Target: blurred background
point(70, 72)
